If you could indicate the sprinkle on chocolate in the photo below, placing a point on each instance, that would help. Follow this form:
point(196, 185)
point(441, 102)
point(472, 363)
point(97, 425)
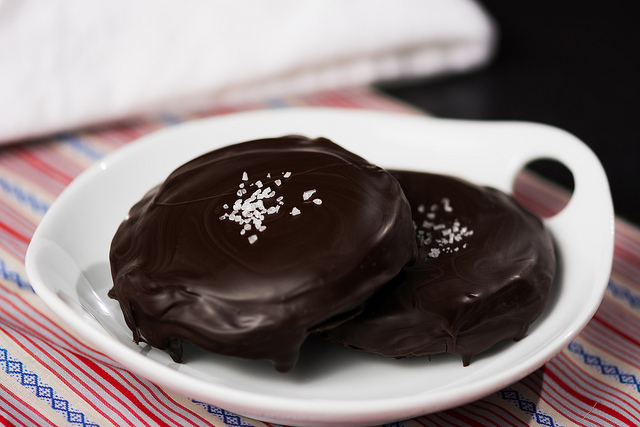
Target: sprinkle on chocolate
point(438, 227)
point(307, 194)
point(250, 213)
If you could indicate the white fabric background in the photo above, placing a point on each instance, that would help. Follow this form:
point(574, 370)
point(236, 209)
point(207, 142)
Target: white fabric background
point(70, 63)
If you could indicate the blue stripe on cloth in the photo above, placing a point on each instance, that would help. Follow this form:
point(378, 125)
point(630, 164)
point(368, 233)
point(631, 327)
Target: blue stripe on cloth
point(42, 390)
point(605, 368)
point(79, 145)
point(13, 276)
point(22, 196)
point(229, 418)
point(527, 406)
point(170, 119)
point(623, 293)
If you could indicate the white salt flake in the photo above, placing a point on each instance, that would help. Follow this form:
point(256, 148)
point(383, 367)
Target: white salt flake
point(421, 208)
point(250, 212)
point(446, 204)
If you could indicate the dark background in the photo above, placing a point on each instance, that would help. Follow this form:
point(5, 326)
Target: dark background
point(570, 64)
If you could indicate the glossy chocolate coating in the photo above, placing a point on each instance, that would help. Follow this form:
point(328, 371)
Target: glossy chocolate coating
point(484, 271)
point(330, 229)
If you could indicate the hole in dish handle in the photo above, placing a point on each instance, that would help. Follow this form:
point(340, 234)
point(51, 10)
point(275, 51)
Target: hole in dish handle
point(544, 186)
point(588, 203)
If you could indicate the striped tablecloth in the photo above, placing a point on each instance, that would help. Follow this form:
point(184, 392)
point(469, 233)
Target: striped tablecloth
point(48, 376)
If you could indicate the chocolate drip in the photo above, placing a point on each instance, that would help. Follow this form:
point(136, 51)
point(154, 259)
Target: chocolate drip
point(246, 249)
point(483, 274)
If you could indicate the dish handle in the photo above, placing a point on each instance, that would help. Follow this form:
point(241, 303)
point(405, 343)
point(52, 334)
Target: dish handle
point(588, 216)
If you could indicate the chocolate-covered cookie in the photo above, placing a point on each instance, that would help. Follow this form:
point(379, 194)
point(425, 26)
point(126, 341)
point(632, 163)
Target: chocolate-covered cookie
point(483, 274)
point(247, 249)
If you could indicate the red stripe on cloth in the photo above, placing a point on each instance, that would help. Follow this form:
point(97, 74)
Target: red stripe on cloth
point(600, 337)
point(31, 157)
point(534, 205)
point(28, 323)
point(56, 154)
point(43, 182)
point(480, 412)
point(127, 384)
point(15, 219)
point(95, 368)
point(20, 338)
point(619, 400)
point(439, 418)
point(14, 234)
point(628, 236)
point(188, 416)
point(56, 367)
point(582, 387)
point(461, 418)
point(122, 133)
point(46, 168)
point(598, 318)
point(81, 352)
point(24, 412)
point(624, 249)
point(500, 415)
point(481, 417)
point(587, 406)
point(421, 421)
point(626, 271)
point(5, 415)
point(554, 397)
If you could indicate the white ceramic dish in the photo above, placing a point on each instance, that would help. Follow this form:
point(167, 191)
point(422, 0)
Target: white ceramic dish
point(67, 263)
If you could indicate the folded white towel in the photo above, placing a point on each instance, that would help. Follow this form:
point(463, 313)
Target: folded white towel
point(70, 63)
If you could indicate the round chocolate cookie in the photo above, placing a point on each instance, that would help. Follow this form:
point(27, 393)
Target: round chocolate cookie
point(247, 249)
point(483, 274)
